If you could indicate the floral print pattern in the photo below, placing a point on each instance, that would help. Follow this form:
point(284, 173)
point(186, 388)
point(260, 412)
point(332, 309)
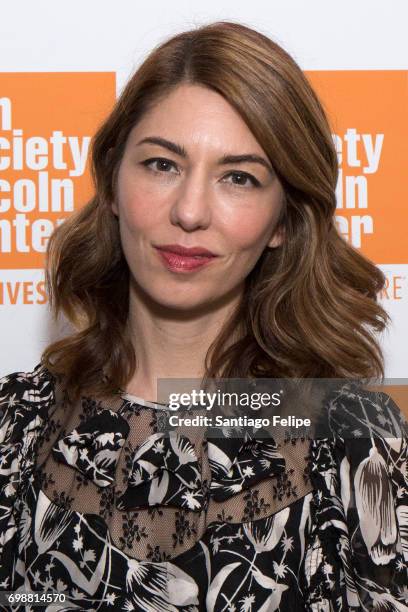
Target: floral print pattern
point(342, 546)
point(94, 446)
point(164, 469)
point(239, 462)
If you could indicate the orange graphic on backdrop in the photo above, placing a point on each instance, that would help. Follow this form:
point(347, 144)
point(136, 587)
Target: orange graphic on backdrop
point(368, 114)
point(47, 119)
point(46, 123)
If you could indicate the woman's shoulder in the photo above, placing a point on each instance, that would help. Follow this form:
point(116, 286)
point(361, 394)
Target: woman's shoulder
point(24, 397)
point(360, 501)
point(352, 411)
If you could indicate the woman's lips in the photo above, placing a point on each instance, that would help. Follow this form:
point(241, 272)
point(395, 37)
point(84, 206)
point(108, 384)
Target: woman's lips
point(183, 263)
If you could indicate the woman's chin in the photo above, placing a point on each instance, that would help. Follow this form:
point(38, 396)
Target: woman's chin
point(186, 308)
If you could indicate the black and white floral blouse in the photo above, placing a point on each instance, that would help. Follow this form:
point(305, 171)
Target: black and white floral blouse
point(98, 504)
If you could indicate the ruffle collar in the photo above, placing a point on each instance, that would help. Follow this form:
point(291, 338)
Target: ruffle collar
point(239, 462)
point(165, 469)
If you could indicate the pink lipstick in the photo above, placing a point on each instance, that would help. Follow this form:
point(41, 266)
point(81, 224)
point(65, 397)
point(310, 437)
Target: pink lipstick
point(184, 259)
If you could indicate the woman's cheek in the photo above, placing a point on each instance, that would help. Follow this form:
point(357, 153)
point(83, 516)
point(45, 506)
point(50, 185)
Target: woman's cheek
point(139, 212)
point(247, 233)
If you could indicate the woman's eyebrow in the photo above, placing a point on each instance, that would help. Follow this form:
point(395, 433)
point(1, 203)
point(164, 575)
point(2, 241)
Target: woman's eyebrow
point(167, 144)
point(251, 158)
point(226, 159)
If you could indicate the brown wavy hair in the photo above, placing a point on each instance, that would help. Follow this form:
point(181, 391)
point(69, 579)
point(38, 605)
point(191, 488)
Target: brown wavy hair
point(309, 308)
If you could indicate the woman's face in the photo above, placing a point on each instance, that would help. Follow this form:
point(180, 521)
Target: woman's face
point(193, 175)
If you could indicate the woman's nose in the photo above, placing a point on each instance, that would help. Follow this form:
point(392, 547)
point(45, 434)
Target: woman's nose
point(191, 208)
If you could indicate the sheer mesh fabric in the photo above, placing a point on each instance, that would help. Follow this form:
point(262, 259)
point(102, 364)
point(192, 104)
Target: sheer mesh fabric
point(160, 532)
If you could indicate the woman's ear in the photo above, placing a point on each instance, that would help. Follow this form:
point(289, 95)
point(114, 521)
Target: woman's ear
point(277, 238)
point(108, 160)
point(114, 208)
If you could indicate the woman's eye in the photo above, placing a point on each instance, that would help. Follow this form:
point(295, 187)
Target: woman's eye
point(242, 179)
point(158, 164)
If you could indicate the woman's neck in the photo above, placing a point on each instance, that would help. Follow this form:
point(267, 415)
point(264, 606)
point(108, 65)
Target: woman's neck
point(170, 344)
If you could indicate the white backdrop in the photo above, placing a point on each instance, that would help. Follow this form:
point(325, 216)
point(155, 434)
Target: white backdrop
point(101, 35)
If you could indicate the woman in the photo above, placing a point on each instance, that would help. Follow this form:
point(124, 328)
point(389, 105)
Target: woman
point(208, 250)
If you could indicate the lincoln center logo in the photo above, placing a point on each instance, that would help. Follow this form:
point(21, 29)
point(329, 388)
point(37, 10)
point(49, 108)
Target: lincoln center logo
point(367, 111)
point(46, 124)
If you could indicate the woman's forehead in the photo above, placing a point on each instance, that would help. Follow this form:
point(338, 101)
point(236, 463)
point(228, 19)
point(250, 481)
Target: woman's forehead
point(196, 116)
